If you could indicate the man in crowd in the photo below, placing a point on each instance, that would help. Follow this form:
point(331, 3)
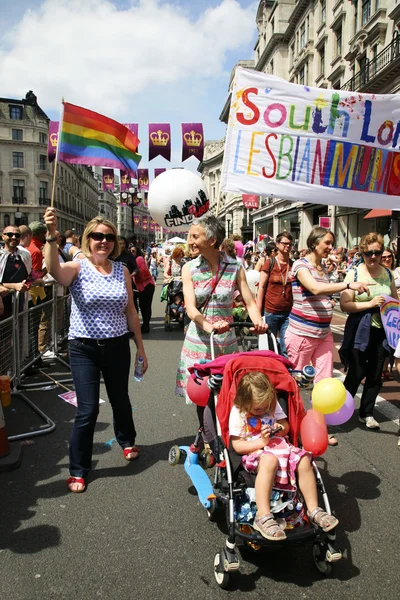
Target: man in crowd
point(72, 240)
point(43, 323)
point(26, 236)
point(35, 248)
point(15, 267)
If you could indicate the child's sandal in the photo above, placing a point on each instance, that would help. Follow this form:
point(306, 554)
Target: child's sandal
point(322, 519)
point(269, 528)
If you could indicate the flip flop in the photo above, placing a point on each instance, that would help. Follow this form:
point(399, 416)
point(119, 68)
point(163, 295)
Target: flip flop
point(332, 441)
point(129, 451)
point(71, 480)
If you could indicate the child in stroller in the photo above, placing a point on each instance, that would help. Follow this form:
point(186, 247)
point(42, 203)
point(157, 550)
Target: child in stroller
point(258, 426)
point(175, 309)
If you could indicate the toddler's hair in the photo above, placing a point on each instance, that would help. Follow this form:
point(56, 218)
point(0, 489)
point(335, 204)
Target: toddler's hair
point(254, 390)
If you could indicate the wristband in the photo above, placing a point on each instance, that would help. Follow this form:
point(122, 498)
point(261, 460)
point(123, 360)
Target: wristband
point(51, 239)
point(348, 286)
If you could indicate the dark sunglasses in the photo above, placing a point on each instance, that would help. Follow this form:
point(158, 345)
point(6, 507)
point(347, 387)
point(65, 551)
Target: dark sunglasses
point(387, 257)
point(371, 253)
point(97, 236)
point(11, 234)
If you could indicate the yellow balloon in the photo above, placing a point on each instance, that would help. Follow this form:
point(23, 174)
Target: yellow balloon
point(328, 395)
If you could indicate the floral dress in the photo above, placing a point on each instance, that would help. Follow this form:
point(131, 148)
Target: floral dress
point(197, 341)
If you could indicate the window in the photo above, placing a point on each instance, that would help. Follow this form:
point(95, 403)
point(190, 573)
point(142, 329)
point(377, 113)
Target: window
point(42, 138)
point(16, 135)
point(42, 162)
point(302, 76)
point(18, 191)
point(338, 34)
point(6, 220)
point(336, 85)
point(323, 12)
point(322, 60)
point(374, 61)
point(271, 67)
point(15, 112)
point(366, 12)
point(355, 28)
point(363, 73)
point(18, 160)
point(303, 35)
point(43, 199)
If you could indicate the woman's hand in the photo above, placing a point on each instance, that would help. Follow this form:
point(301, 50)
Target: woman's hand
point(377, 301)
point(141, 353)
point(50, 220)
point(359, 287)
point(220, 326)
point(259, 328)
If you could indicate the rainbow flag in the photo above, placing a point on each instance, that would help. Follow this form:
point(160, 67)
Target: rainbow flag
point(87, 138)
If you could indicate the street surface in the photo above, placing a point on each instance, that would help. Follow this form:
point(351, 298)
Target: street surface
point(139, 533)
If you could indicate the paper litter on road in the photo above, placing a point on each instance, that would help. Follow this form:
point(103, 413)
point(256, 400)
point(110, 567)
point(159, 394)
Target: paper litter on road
point(70, 397)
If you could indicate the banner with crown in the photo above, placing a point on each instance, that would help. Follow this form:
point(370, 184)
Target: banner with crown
point(159, 140)
point(146, 200)
point(143, 179)
point(134, 127)
point(158, 172)
point(125, 181)
point(192, 141)
point(136, 221)
point(108, 179)
point(145, 222)
point(53, 140)
point(152, 226)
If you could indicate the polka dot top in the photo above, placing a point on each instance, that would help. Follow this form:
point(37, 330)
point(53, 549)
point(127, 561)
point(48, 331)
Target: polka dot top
point(98, 303)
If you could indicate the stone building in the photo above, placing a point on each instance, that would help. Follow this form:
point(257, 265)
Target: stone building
point(352, 45)
point(26, 176)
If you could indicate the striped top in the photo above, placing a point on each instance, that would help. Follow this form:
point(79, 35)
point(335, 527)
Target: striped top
point(311, 315)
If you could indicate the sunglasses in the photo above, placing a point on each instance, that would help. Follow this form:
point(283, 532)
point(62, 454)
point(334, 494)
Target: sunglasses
point(387, 257)
point(371, 253)
point(97, 236)
point(11, 234)
point(286, 243)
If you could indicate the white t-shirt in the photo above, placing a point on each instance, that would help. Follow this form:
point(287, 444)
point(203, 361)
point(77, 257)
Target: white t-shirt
point(248, 426)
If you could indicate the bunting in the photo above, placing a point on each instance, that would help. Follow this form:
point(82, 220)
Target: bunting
point(144, 223)
point(53, 140)
point(125, 179)
point(192, 141)
point(159, 140)
point(143, 179)
point(108, 180)
point(158, 172)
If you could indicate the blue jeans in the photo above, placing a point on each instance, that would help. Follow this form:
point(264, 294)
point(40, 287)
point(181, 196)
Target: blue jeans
point(88, 360)
point(154, 273)
point(278, 322)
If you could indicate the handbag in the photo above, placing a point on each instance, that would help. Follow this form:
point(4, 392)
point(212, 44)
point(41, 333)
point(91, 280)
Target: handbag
point(203, 307)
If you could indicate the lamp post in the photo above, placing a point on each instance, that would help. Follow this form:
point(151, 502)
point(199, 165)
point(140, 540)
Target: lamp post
point(128, 198)
point(228, 219)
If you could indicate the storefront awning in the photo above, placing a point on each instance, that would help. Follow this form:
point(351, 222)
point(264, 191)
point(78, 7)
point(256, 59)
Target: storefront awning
point(375, 213)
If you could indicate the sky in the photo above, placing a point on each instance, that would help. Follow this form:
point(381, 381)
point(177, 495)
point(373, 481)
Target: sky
point(136, 61)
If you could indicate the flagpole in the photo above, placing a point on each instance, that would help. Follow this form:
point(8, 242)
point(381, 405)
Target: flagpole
point(53, 189)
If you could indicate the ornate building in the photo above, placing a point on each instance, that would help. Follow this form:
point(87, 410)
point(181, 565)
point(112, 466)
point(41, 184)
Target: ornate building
point(26, 176)
point(352, 45)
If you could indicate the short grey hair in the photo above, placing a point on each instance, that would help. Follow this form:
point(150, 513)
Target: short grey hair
point(213, 227)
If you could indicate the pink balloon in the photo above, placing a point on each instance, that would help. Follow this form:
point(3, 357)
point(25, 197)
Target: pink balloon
point(239, 249)
point(314, 432)
point(344, 413)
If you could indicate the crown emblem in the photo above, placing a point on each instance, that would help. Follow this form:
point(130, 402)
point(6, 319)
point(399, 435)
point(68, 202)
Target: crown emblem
point(159, 138)
point(125, 179)
point(108, 179)
point(54, 139)
point(193, 139)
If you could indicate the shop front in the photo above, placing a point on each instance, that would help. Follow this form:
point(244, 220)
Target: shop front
point(289, 221)
point(351, 225)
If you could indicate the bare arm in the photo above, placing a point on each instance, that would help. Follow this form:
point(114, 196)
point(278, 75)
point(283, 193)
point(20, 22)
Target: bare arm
point(262, 288)
point(260, 264)
point(64, 273)
point(246, 446)
point(254, 313)
point(133, 321)
point(316, 288)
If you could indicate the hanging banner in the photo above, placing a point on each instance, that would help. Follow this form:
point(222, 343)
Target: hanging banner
point(159, 140)
point(53, 140)
point(192, 141)
point(312, 144)
point(144, 223)
point(250, 200)
point(134, 127)
point(125, 181)
point(143, 179)
point(146, 200)
point(158, 172)
point(108, 180)
point(158, 228)
point(152, 226)
point(136, 220)
point(390, 315)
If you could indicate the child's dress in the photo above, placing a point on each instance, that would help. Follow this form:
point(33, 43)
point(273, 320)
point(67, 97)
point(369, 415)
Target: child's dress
point(248, 427)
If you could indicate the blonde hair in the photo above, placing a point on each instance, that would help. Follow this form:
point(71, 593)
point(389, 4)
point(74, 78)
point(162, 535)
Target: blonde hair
point(254, 390)
point(370, 238)
point(91, 227)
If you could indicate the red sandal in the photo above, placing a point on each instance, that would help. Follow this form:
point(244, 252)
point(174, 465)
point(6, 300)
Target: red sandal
point(129, 451)
point(72, 480)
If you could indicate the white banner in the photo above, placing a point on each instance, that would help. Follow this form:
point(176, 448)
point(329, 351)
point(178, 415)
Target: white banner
point(312, 144)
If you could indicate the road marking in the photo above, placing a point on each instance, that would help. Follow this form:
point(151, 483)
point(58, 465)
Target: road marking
point(337, 328)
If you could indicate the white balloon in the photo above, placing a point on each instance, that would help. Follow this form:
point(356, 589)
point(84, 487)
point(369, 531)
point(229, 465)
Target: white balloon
point(253, 279)
point(176, 198)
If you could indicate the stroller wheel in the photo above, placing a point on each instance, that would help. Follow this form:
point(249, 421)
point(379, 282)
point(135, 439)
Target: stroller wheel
point(212, 512)
point(175, 456)
point(221, 576)
point(206, 458)
point(319, 555)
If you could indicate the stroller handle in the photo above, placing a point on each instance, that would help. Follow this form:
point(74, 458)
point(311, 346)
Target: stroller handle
point(240, 325)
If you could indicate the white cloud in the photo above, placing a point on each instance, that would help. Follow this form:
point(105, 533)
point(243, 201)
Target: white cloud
point(95, 55)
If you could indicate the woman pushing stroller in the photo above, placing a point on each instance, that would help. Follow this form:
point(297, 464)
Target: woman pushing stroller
point(258, 428)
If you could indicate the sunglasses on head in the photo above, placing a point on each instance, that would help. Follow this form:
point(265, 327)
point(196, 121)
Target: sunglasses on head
point(11, 234)
point(97, 236)
point(371, 253)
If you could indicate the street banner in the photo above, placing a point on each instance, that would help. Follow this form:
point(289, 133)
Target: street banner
point(250, 200)
point(136, 200)
point(136, 220)
point(145, 221)
point(159, 140)
point(125, 181)
point(312, 144)
point(53, 140)
point(158, 172)
point(152, 226)
point(134, 127)
point(143, 179)
point(146, 200)
point(192, 141)
point(390, 315)
point(108, 180)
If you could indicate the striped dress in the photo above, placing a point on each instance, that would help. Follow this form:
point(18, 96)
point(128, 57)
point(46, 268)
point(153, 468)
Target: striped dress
point(311, 315)
point(197, 341)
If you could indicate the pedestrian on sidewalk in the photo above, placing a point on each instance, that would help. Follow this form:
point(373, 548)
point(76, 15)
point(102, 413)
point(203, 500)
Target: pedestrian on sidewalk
point(362, 349)
point(309, 337)
point(143, 293)
point(102, 315)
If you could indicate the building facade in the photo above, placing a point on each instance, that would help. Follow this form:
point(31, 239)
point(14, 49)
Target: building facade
point(353, 45)
point(26, 176)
